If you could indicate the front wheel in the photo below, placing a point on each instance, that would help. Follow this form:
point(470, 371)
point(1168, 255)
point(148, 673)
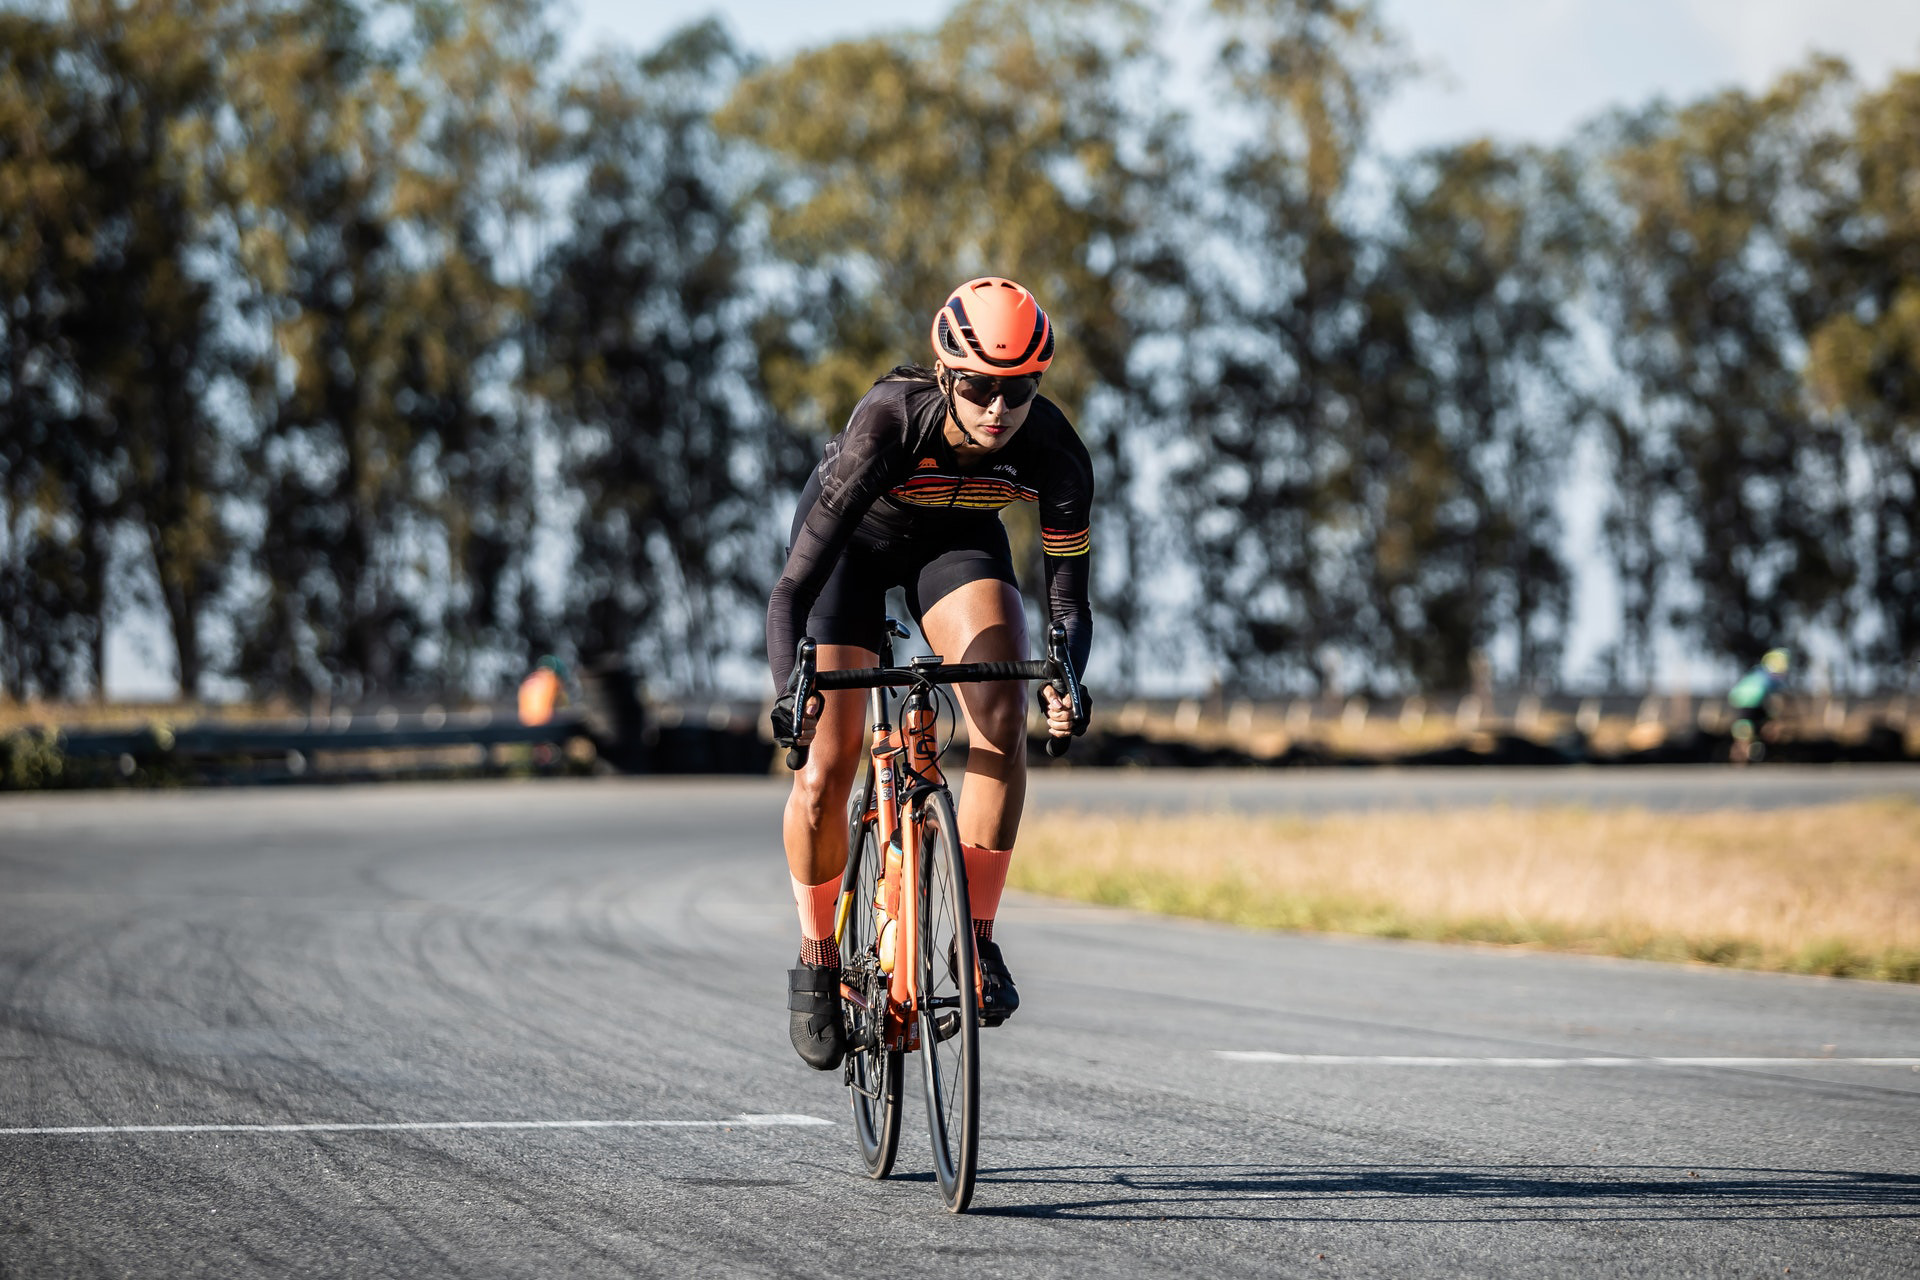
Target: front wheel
point(949, 1005)
point(873, 1072)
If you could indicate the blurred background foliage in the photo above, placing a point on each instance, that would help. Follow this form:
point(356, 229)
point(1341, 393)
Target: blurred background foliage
point(377, 348)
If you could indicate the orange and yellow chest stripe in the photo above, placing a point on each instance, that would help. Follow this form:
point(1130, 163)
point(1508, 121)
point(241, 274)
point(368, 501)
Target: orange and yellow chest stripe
point(966, 493)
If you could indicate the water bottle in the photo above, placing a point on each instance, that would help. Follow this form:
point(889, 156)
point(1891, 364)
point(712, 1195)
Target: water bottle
point(886, 903)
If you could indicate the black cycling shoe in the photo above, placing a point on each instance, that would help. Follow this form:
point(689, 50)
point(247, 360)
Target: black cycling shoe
point(813, 1017)
point(998, 999)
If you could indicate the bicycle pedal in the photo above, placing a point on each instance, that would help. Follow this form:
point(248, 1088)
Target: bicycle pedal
point(946, 1025)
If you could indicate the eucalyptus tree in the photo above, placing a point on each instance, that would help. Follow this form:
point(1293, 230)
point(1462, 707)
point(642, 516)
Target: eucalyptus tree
point(55, 493)
point(117, 357)
point(388, 176)
point(1295, 362)
point(645, 360)
point(1466, 517)
point(1865, 363)
point(1732, 491)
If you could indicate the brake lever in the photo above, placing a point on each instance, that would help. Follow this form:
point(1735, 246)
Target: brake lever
point(801, 684)
point(1063, 675)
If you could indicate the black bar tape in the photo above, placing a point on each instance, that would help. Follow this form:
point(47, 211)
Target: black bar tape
point(955, 673)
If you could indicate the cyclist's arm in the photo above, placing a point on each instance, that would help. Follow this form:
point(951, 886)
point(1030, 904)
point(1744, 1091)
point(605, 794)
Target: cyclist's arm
point(866, 460)
point(1066, 517)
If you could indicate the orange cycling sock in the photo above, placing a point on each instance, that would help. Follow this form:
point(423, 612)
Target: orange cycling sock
point(986, 878)
point(816, 903)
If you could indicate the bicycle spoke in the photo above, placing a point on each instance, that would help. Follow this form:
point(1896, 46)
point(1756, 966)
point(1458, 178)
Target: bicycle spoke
point(951, 1064)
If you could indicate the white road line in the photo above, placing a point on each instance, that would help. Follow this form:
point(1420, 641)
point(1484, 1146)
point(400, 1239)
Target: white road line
point(1402, 1060)
point(409, 1126)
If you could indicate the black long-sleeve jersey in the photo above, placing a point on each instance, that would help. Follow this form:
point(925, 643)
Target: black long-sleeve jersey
point(891, 476)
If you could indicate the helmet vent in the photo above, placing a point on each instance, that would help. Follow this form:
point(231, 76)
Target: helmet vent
point(948, 343)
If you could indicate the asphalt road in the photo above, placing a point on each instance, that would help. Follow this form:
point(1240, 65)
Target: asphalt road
point(547, 954)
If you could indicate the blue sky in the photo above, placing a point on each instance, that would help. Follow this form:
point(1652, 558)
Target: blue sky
point(1517, 69)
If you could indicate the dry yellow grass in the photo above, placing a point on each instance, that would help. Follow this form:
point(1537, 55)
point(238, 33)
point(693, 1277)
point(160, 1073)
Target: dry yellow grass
point(131, 715)
point(1833, 890)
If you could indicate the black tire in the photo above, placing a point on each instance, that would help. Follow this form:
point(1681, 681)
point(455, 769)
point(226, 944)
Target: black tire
point(948, 997)
point(873, 1075)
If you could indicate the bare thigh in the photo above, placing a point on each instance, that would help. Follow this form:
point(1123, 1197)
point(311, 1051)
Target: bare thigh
point(984, 621)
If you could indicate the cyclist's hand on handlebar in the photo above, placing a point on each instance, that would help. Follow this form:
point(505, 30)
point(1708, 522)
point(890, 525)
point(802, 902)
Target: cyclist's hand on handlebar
point(789, 731)
point(1058, 709)
point(1059, 712)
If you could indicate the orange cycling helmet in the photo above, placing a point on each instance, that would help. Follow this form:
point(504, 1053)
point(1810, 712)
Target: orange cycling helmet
point(993, 326)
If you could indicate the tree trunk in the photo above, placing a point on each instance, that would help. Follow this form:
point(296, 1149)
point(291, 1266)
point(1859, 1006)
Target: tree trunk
point(183, 621)
point(99, 565)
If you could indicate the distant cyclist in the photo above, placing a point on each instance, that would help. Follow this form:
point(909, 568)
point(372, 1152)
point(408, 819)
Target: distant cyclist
point(1752, 701)
point(543, 691)
point(908, 496)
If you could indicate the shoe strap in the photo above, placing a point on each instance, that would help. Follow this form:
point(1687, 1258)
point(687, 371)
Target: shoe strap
point(807, 985)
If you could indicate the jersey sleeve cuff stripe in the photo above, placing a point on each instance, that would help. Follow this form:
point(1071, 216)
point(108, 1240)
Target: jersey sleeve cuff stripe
point(1062, 542)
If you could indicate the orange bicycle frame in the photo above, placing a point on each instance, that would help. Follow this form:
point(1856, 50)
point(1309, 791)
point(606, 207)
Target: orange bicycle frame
point(904, 760)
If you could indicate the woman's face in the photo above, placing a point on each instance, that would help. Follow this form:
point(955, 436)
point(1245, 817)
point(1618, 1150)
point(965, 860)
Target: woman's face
point(990, 425)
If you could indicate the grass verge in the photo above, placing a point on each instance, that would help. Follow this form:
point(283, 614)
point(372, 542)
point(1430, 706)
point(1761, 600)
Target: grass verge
point(1831, 890)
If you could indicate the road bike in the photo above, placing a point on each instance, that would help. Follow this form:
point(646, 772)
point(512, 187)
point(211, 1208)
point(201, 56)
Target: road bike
point(902, 921)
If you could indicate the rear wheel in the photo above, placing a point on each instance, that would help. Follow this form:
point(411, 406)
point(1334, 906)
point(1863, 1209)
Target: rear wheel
point(872, 1073)
point(949, 1005)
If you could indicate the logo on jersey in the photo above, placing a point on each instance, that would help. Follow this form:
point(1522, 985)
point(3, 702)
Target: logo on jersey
point(928, 462)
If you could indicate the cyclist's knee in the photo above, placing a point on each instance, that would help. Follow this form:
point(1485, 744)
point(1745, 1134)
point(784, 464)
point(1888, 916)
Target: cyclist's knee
point(824, 784)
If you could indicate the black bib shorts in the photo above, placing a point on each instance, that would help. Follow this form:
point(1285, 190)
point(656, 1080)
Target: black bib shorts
point(852, 606)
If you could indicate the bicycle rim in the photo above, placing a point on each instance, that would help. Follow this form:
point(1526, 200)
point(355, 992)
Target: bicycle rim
point(951, 1065)
point(873, 1074)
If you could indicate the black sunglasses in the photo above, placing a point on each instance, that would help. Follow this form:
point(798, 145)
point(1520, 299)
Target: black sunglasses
point(982, 388)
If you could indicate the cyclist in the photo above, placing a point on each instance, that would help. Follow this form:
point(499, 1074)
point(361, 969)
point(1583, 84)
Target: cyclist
point(909, 495)
point(1752, 702)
